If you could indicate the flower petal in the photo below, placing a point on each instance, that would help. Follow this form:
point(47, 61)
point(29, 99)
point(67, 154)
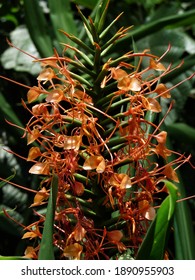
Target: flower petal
point(156, 65)
point(34, 152)
point(73, 251)
point(33, 94)
point(41, 168)
point(46, 75)
point(94, 162)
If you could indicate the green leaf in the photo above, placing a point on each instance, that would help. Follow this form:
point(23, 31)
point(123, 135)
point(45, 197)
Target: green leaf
point(5, 258)
point(187, 18)
point(62, 19)
point(12, 58)
point(9, 226)
point(86, 3)
point(7, 179)
point(184, 238)
point(38, 27)
point(154, 243)
point(7, 111)
point(182, 131)
point(46, 251)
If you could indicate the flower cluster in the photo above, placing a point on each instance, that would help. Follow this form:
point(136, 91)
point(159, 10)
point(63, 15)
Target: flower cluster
point(104, 151)
point(95, 126)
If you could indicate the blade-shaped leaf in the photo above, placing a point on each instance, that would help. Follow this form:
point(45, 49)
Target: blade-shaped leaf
point(9, 113)
point(2, 183)
point(62, 19)
point(46, 248)
point(37, 26)
point(5, 258)
point(154, 243)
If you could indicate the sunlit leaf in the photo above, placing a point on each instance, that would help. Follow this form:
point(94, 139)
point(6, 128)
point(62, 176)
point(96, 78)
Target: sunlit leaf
point(17, 60)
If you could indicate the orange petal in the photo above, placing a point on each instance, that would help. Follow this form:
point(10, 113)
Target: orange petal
point(115, 235)
point(33, 94)
point(146, 210)
point(121, 247)
point(30, 253)
point(101, 166)
point(41, 168)
point(94, 162)
point(30, 235)
point(150, 213)
point(73, 251)
point(162, 150)
point(156, 65)
point(40, 109)
point(72, 142)
point(143, 205)
point(122, 180)
point(154, 105)
point(128, 83)
point(55, 95)
point(34, 152)
point(161, 137)
point(78, 188)
point(163, 91)
point(40, 197)
point(32, 136)
point(125, 182)
point(46, 75)
point(118, 73)
point(79, 232)
point(170, 173)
